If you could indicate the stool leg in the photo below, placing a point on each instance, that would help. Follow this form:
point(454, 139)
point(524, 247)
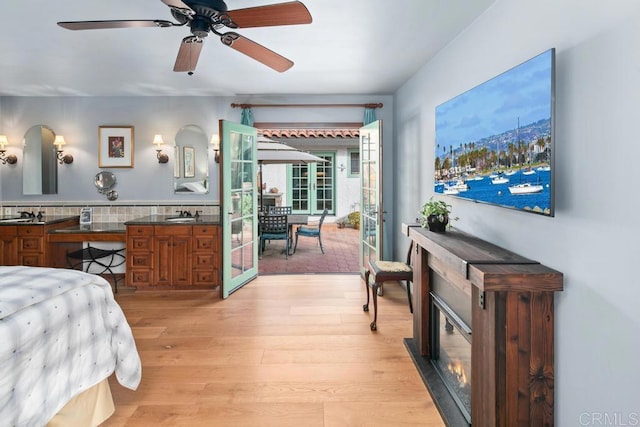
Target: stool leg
point(407, 282)
point(366, 288)
point(374, 291)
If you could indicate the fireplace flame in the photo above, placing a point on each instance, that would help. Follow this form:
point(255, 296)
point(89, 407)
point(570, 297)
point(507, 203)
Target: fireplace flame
point(456, 368)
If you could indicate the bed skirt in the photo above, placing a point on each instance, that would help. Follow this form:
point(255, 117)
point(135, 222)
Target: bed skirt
point(90, 408)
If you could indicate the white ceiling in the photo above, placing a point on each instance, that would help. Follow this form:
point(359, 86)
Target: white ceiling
point(352, 47)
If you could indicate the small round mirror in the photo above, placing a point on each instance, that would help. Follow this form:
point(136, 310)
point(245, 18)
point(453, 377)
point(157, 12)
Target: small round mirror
point(112, 195)
point(104, 182)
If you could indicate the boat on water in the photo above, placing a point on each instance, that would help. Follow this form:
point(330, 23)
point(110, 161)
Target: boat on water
point(544, 168)
point(525, 188)
point(456, 186)
point(500, 179)
point(450, 191)
point(510, 172)
point(528, 172)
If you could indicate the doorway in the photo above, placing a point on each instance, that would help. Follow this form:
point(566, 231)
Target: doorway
point(312, 186)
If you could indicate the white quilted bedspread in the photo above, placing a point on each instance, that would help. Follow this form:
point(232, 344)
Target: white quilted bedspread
point(61, 332)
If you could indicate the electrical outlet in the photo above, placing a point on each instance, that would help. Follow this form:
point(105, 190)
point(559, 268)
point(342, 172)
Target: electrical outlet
point(7, 211)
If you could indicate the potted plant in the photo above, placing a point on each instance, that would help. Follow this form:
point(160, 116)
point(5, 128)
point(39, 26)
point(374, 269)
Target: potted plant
point(354, 219)
point(435, 215)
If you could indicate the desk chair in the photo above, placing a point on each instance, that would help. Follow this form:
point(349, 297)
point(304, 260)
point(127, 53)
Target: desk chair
point(274, 227)
point(105, 258)
point(311, 231)
point(383, 271)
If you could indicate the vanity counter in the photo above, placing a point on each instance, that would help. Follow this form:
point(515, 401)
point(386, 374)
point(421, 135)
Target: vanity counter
point(175, 219)
point(45, 220)
point(95, 232)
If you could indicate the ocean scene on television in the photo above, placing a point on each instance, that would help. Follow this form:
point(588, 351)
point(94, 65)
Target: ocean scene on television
point(494, 142)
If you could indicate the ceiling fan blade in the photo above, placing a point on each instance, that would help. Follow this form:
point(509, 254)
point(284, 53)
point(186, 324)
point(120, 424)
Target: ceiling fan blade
point(291, 13)
point(180, 6)
point(256, 51)
point(188, 54)
point(99, 25)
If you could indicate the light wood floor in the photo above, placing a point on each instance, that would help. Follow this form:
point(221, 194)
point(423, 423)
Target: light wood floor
point(289, 350)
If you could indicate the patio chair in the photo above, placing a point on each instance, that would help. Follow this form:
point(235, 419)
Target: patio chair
point(280, 210)
point(311, 230)
point(274, 227)
point(383, 271)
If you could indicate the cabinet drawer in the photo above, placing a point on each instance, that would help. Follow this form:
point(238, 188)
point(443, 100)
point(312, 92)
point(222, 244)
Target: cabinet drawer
point(140, 230)
point(140, 260)
point(30, 231)
point(31, 260)
point(205, 230)
point(203, 261)
point(203, 244)
point(139, 244)
point(8, 230)
point(173, 230)
point(139, 278)
point(30, 244)
point(205, 277)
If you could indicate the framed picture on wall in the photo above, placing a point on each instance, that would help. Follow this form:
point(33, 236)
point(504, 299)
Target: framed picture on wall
point(86, 216)
point(176, 162)
point(189, 162)
point(115, 147)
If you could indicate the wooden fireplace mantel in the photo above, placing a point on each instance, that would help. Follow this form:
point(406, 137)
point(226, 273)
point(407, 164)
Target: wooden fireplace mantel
point(512, 312)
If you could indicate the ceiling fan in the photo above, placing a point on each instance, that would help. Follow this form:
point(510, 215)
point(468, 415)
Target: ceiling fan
point(204, 16)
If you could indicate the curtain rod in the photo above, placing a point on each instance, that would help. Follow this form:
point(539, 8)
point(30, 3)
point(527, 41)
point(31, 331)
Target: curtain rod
point(234, 105)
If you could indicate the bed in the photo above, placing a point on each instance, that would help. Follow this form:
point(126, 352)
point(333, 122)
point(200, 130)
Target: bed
point(62, 335)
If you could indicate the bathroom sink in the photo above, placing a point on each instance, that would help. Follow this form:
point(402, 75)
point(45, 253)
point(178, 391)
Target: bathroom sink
point(181, 219)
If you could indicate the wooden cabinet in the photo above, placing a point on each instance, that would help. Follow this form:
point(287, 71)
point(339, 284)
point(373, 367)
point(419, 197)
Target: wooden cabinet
point(206, 254)
point(27, 244)
point(173, 256)
point(511, 303)
point(8, 245)
point(139, 255)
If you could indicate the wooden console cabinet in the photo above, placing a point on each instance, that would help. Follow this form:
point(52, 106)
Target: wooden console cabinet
point(27, 244)
point(173, 256)
point(512, 312)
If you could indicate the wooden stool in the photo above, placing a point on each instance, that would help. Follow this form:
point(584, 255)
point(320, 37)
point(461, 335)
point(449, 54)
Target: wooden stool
point(383, 271)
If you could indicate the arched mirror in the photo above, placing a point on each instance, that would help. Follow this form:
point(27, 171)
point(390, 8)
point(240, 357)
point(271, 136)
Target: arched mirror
point(39, 162)
point(191, 167)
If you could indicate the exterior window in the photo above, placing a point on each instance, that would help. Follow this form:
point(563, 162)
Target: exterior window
point(354, 162)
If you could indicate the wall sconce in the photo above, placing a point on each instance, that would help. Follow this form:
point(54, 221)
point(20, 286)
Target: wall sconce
point(342, 167)
point(11, 158)
point(157, 140)
point(215, 143)
point(59, 142)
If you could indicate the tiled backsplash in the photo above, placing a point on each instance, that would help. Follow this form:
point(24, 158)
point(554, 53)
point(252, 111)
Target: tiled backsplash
point(119, 213)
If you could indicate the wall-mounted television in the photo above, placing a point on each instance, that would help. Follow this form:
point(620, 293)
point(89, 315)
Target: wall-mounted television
point(494, 143)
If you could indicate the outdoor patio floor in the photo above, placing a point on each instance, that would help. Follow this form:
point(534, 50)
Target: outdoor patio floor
point(340, 254)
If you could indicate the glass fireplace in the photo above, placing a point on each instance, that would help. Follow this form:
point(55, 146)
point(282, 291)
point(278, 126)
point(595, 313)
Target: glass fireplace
point(451, 352)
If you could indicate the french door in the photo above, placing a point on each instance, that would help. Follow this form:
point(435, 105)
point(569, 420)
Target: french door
point(313, 186)
point(239, 205)
point(371, 211)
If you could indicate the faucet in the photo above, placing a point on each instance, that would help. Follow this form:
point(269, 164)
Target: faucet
point(184, 213)
point(26, 214)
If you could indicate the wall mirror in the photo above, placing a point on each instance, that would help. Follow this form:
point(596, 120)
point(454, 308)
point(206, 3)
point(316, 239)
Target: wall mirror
point(39, 162)
point(191, 161)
